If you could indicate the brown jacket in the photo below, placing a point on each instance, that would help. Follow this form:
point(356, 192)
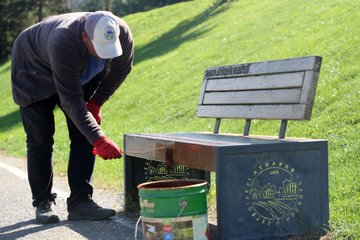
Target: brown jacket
point(48, 58)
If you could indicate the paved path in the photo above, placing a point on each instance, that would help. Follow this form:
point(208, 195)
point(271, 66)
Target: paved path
point(17, 214)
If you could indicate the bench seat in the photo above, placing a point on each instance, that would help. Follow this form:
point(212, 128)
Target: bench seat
point(193, 150)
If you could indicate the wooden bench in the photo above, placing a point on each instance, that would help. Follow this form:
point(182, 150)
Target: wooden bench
point(265, 186)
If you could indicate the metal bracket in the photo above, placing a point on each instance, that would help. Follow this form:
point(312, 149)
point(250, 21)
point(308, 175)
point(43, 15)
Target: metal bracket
point(217, 125)
point(247, 127)
point(282, 129)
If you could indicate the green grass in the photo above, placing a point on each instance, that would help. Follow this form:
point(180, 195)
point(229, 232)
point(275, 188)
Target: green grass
point(175, 44)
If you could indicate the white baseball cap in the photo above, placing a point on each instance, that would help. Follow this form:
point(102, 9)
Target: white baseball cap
point(104, 32)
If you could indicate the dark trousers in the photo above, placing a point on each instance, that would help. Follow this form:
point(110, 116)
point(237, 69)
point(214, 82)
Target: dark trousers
point(39, 125)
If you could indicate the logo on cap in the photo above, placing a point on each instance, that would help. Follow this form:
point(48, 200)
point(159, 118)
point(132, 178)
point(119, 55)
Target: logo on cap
point(109, 34)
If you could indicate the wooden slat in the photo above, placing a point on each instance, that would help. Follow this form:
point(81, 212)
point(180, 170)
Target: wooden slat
point(268, 67)
point(192, 138)
point(285, 80)
point(194, 155)
point(309, 88)
point(203, 90)
point(253, 97)
point(290, 111)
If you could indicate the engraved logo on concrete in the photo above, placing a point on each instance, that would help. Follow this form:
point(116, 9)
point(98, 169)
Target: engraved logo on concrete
point(274, 193)
point(155, 171)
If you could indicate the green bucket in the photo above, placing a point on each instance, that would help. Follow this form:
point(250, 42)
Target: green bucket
point(174, 209)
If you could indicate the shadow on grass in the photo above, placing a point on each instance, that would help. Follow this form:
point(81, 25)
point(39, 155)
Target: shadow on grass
point(10, 120)
point(180, 33)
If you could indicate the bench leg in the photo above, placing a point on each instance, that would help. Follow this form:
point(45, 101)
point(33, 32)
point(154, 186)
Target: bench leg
point(133, 168)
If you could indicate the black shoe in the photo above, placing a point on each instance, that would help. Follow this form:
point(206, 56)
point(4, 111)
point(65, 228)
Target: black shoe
point(45, 212)
point(89, 210)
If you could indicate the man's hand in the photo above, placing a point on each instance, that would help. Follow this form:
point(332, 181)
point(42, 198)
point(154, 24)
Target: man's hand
point(95, 110)
point(106, 148)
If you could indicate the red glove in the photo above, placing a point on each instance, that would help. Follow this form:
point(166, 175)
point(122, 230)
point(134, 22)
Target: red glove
point(106, 148)
point(95, 110)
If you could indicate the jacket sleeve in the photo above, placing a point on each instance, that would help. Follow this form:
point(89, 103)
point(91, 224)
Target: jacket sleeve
point(119, 67)
point(67, 60)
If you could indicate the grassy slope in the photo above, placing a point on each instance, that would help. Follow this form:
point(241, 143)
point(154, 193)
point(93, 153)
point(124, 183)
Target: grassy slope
point(175, 44)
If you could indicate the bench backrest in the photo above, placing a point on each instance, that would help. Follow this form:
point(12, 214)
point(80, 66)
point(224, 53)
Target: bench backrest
point(282, 89)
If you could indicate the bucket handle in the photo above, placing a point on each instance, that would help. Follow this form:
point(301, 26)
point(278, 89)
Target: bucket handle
point(183, 204)
point(136, 227)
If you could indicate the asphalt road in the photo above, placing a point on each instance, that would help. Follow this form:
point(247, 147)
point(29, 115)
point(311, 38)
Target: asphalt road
point(17, 216)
